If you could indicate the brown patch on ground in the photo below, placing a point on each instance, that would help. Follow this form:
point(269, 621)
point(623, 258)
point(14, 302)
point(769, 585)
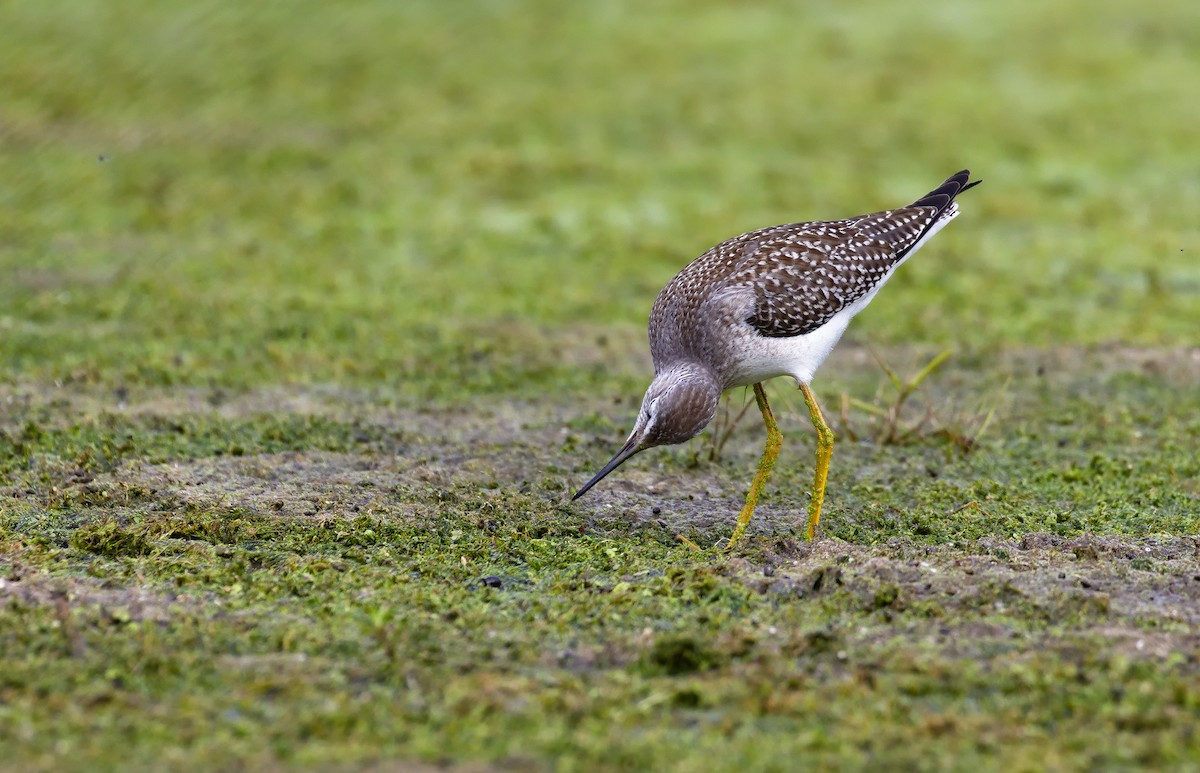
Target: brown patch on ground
point(1142, 595)
point(409, 482)
point(37, 588)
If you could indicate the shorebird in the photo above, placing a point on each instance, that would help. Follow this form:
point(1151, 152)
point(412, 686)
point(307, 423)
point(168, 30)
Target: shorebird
point(771, 302)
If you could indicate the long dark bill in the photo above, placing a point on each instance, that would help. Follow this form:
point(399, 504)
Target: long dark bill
point(631, 448)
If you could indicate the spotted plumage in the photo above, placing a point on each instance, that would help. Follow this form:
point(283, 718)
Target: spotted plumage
point(771, 302)
point(801, 275)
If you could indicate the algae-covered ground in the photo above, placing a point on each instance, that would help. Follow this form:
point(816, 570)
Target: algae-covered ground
point(313, 316)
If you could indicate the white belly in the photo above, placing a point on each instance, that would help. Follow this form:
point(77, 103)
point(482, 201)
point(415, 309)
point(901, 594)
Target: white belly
point(798, 356)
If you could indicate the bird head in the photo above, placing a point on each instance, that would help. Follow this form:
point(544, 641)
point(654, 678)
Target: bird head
point(678, 405)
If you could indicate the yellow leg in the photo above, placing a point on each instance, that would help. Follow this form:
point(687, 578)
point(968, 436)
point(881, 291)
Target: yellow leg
point(824, 453)
point(770, 454)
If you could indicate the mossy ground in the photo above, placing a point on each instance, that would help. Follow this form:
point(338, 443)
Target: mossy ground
point(313, 316)
point(337, 580)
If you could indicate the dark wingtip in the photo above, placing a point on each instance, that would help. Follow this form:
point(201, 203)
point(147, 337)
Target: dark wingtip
point(940, 197)
point(964, 176)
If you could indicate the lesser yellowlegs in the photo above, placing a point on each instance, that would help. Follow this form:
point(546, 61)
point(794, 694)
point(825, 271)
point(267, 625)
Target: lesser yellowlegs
point(768, 303)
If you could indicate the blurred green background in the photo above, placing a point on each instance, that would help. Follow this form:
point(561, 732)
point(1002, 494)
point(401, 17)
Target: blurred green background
point(484, 197)
point(207, 562)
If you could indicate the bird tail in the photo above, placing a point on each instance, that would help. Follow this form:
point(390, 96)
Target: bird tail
point(941, 197)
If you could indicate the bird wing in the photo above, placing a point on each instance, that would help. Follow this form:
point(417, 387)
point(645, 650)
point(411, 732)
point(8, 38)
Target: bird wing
point(789, 280)
point(803, 274)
